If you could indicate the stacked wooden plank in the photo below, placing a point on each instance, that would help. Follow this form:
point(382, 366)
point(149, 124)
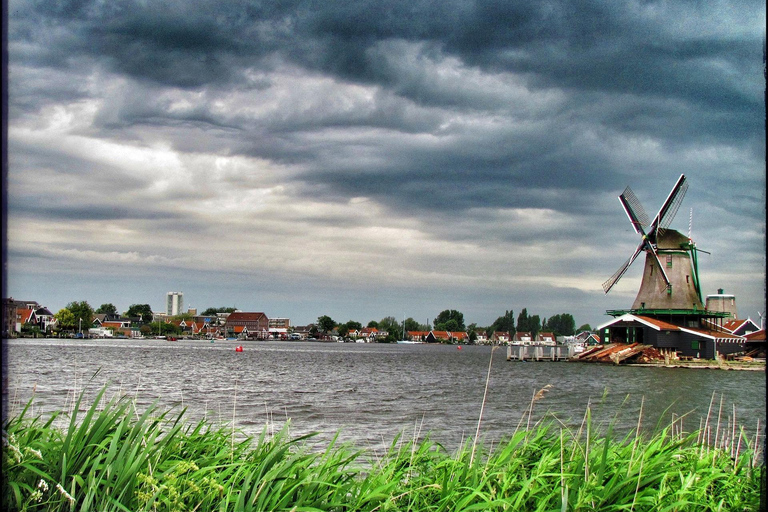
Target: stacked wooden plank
point(612, 353)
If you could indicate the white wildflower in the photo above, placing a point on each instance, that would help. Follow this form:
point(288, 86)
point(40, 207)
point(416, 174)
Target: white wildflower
point(65, 493)
point(42, 484)
point(16, 453)
point(34, 452)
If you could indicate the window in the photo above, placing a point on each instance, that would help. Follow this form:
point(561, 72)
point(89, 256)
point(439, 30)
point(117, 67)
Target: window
point(669, 261)
point(695, 345)
point(687, 279)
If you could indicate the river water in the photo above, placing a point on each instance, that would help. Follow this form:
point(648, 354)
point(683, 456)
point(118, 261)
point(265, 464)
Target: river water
point(370, 392)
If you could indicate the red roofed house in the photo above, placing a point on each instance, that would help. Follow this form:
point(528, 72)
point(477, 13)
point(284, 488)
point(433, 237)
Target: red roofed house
point(546, 338)
point(257, 324)
point(418, 335)
point(522, 338)
point(501, 337)
point(741, 327)
point(24, 316)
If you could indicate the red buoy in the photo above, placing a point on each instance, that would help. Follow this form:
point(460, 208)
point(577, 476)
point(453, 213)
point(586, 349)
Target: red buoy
point(458, 348)
point(239, 348)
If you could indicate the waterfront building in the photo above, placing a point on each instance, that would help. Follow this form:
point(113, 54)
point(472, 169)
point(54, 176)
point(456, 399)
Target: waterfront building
point(174, 303)
point(279, 323)
point(257, 324)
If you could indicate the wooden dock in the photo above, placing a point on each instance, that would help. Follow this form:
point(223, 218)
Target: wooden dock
point(539, 352)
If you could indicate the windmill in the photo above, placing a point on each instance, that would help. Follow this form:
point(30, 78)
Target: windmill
point(671, 277)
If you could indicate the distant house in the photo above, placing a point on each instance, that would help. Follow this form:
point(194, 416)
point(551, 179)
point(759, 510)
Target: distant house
point(437, 336)
point(459, 337)
point(25, 316)
point(446, 336)
point(369, 334)
point(522, 338)
point(587, 338)
point(417, 335)
point(482, 337)
point(501, 338)
point(546, 338)
point(257, 323)
point(241, 331)
point(741, 327)
point(121, 326)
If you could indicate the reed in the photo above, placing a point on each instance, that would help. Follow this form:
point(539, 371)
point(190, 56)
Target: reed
point(114, 458)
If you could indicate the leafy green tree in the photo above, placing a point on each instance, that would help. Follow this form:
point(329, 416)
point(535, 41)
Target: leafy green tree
point(535, 325)
point(390, 324)
point(373, 324)
point(472, 333)
point(82, 311)
point(164, 329)
point(505, 323)
point(450, 320)
point(585, 327)
point(353, 326)
point(65, 319)
point(106, 309)
point(143, 311)
point(343, 330)
point(413, 325)
point(326, 323)
point(562, 324)
point(213, 311)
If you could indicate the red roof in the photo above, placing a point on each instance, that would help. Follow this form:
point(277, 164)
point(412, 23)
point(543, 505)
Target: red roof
point(661, 324)
point(24, 314)
point(756, 336)
point(713, 334)
point(245, 317)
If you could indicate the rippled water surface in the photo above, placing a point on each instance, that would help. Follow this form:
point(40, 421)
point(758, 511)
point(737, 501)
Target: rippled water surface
point(369, 392)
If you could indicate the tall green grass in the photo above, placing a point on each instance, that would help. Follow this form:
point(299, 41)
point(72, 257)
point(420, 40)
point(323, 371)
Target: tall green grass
point(113, 458)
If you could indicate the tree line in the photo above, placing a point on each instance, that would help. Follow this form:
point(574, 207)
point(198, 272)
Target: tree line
point(451, 320)
point(79, 314)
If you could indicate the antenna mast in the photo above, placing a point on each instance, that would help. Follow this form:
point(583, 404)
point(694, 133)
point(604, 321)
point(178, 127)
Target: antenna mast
point(690, 224)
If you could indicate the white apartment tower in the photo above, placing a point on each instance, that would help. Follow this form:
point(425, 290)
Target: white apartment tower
point(174, 303)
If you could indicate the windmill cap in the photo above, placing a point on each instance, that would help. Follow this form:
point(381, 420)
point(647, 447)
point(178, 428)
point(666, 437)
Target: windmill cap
point(720, 294)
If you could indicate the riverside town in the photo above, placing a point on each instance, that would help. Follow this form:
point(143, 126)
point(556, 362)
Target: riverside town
point(632, 337)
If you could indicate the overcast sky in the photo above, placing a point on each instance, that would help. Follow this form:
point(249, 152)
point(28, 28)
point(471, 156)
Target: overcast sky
point(371, 159)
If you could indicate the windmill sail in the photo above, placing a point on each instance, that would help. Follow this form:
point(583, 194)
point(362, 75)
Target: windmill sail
point(634, 210)
point(669, 209)
point(617, 275)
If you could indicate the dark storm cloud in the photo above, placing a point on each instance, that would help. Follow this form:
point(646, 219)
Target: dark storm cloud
point(487, 124)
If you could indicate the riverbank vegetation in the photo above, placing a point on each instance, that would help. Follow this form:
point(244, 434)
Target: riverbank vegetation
point(111, 457)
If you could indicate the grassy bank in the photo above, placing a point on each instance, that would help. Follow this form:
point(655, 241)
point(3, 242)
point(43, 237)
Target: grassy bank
point(110, 457)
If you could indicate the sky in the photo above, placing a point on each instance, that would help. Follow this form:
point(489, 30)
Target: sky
point(370, 159)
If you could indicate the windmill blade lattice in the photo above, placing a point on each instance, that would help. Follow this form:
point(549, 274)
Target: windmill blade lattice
point(622, 269)
point(634, 210)
point(671, 205)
